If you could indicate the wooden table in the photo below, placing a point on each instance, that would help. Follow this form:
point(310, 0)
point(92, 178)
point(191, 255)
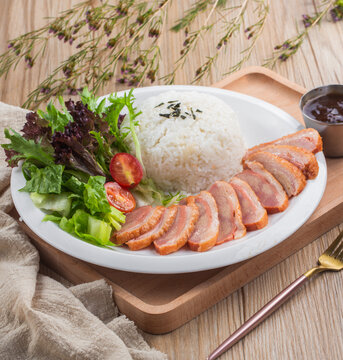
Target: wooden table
point(310, 326)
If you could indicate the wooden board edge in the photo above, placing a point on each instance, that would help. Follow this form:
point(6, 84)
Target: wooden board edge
point(260, 70)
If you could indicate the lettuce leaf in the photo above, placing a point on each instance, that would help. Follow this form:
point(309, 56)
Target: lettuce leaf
point(85, 226)
point(152, 194)
point(91, 101)
point(56, 203)
point(56, 119)
point(113, 117)
point(20, 148)
point(47, 180)
point(74, 185)
point(94, 195)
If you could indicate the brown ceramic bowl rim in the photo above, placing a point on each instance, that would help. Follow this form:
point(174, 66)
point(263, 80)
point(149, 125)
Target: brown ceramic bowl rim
point(301, 105)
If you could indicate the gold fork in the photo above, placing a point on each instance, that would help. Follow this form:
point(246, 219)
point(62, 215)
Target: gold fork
point(331, 259)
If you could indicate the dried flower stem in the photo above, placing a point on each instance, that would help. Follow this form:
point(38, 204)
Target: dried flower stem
point(290, 46)
point(254, 33)
point(199, 7)
point(189, 44)
point(232, 27)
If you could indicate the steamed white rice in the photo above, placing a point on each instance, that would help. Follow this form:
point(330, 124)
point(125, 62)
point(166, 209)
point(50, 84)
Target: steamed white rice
point(187, 154)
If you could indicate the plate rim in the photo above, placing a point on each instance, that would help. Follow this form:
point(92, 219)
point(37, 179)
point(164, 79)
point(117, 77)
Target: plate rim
point(159, 262)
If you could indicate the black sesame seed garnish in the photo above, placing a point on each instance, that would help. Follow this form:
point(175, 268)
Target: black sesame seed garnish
point(159, 105)
point(165, 115)
point(175, 108)
point(176, 113)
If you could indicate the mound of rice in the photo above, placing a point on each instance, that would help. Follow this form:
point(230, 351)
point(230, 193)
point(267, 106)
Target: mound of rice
point(190, 151)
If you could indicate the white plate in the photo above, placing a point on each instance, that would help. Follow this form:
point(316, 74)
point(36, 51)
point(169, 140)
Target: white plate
point(260, 122)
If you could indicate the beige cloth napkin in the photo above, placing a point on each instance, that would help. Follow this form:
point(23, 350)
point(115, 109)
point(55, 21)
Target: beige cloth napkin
point(39, 317)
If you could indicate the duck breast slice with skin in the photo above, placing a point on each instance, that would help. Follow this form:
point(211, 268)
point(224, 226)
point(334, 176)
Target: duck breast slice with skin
point(229, 212)
point(160, 228)
point(268, 190)
point(254, 214)
point(287, 174)
point(240, 227)
point(308, 139)
point(281, 195)
point(206, 230)
point(303, 159)
point(138, 222)
point(179, 232)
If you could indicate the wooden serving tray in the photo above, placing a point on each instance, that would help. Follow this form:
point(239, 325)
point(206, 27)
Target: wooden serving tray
point(161, 303)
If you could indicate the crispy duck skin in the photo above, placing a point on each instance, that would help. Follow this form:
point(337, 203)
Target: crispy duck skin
point(287, 174)
point(160, 228)
point(206, 230)
point(178, 234)
point(303, 159)
point(229, 212)
point(308, 139)
point(268, 190)
point(254, 214)
point(137, 223)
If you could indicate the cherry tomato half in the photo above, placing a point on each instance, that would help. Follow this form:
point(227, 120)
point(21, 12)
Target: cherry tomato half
point(119, 197)
point(126, 170)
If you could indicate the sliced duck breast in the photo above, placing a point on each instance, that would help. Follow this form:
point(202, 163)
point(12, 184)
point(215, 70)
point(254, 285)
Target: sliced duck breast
point(229, 212)
point(254, 214)
point(160, 228)
point(268, 190)
point(303, 159)
point(206, 230)
point(138, 222)
point(288, 175)
point(178, 234)
point(308, 139)
point(240, 227)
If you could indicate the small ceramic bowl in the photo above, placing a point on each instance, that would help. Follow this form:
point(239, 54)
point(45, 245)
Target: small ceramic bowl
point(332, 134)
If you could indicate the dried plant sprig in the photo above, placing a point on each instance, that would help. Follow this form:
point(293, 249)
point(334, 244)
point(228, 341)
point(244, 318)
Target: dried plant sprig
point(197, 8)
point(289, 47)
point(253, 33)
point(232, 26)
point(22, 47)
point(189, 44)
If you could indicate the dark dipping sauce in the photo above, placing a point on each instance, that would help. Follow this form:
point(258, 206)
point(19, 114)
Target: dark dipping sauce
point(327, 108)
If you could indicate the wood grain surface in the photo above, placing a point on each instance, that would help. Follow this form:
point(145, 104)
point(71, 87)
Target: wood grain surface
point(310, 326)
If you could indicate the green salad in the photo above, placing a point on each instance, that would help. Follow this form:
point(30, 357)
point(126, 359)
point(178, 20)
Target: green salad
point(78, 167)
